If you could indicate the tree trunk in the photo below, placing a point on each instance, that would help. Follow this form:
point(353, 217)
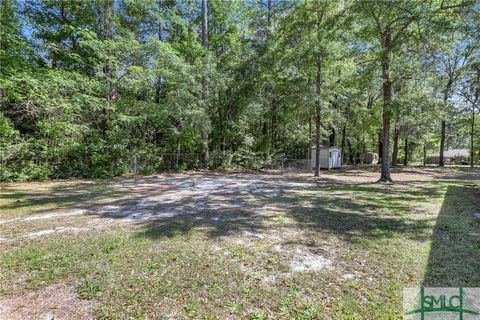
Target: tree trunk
point(107, 68)
point(159, 94)
point(472, 133)
point(273, 106)
point(425, 154)
point(317, 117)
point(387, 97)
point(344, 143)
point(273, 124)
point(309, 134)
point(205, 23)
point(380, 147)
point(405, 150)
point(364, 145)
point(474, 105)
point(396, 136)
point(269, 14)
point(351, 152)
point(160, 24)
point(267, 132)
point(333, 137)
point(385, 174)
point(204, 81)
point(441, 161)
point(448, 87)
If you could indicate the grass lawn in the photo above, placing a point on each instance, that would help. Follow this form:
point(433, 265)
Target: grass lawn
point(236, 246)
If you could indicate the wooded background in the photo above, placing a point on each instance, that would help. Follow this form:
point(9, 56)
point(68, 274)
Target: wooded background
point(94, 88)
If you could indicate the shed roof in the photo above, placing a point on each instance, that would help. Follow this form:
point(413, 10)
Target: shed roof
point(329, 148)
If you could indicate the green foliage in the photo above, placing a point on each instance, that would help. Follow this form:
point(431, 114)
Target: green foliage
point(89, 89)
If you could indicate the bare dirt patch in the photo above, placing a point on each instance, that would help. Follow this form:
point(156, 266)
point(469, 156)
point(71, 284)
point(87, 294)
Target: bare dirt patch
point(59, 302)
point(144, 199)
point(45, 232)
point(305, 261)
point(48, 215)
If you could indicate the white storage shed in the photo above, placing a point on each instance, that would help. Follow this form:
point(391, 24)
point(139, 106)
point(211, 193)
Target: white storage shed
point(330, 158)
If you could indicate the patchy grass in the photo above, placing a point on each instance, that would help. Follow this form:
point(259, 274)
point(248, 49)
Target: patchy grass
point(305, 250)
point(21, 199)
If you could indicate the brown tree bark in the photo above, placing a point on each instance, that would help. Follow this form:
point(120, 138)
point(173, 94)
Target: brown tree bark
point(405, 150)
point(396, 135)
point(474, 105)
point(318, 83)
point(344, 143)
point(309, 134)
point(204, 82)
point(107, 68)
point(205, 23)
point(386, 39)
point(269, 114)
point(269, 13)
point(425, 154)
point(273, 124)
point(159, 92)
point(472, 133)
point(380, 147)
point(441, 161)
point(333, 137)
point(273, 106)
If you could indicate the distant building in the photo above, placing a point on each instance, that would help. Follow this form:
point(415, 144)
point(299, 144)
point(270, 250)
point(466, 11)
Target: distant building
point(453, 156)
point(330, 158)
point(369, 158)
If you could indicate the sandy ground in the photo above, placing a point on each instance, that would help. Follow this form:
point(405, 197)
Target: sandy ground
point(150, 198)
point(216, 197)
point(53, 302)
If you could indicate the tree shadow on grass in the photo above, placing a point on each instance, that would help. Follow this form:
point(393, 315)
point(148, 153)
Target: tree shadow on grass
point(210, 224)
point(235, 204)
point(353, 222)
point(454, 258)
point(350, 212)
point(63, 196)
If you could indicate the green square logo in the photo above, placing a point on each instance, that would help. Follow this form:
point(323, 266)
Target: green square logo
point(441, 303)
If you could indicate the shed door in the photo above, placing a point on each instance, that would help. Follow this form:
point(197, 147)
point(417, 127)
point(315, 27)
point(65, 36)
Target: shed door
point(335, 159)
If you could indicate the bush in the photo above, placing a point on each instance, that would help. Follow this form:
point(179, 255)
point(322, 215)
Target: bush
point(246, 158)
point(24, 171)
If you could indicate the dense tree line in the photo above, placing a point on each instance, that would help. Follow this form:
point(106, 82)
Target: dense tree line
point(93, 88)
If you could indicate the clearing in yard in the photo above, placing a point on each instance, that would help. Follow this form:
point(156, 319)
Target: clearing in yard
point(236, 245)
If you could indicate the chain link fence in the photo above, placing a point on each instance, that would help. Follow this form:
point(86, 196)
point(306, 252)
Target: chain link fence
point(164, 162)
point(300, 165)
point(168, 162)
point(102, 165)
